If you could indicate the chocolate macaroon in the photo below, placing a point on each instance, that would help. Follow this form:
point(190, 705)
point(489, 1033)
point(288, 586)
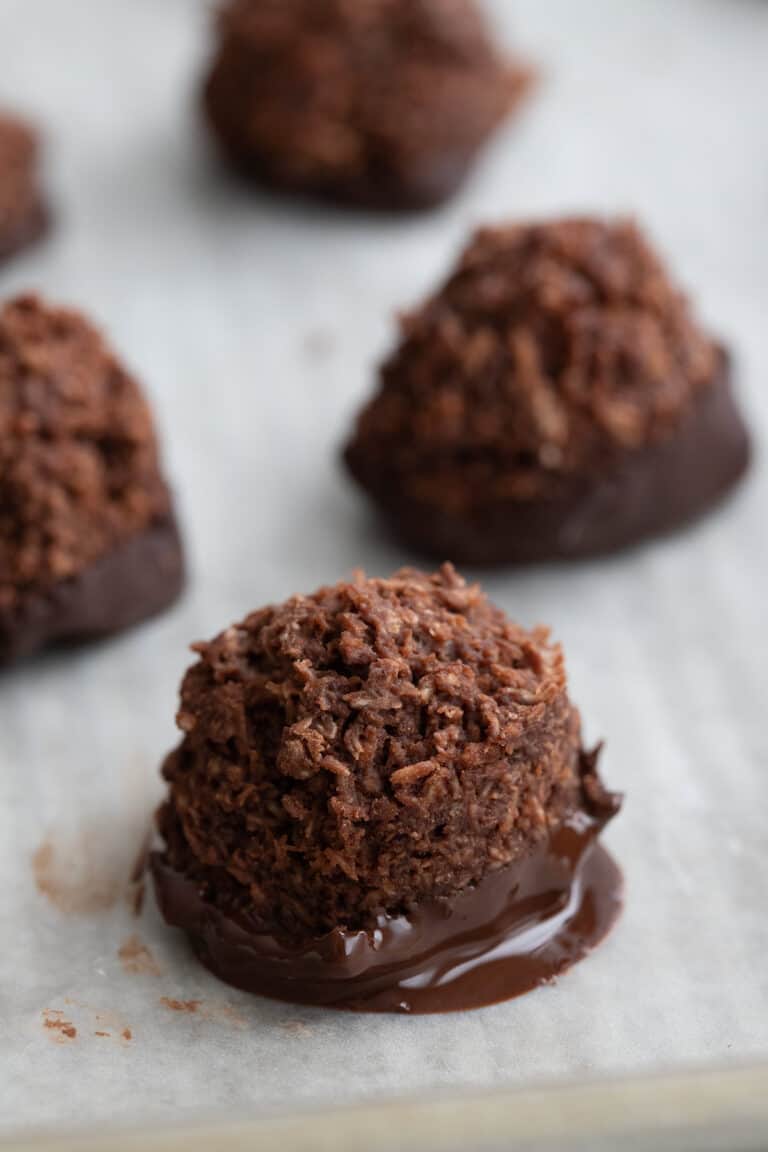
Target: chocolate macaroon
point(23, 217)
point(555, 399)
point(383, 104)
point(381, 802)
point(88, 539)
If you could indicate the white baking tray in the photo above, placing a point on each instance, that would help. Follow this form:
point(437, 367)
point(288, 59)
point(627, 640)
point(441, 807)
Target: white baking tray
point(255, 326)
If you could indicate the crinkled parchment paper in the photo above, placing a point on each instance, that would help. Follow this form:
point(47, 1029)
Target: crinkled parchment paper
point(255, 326)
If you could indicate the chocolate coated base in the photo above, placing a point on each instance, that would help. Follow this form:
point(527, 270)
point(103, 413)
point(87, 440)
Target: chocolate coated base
point(430, 180)
point(427, 186)
point(517, 929)
point(639, 494)
point(34, 227)
point(134, 581)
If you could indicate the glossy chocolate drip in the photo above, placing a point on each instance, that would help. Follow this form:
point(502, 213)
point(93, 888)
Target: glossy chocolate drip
point(516, 929)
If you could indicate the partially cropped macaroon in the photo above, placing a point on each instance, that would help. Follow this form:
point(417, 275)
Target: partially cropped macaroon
point(88, 538)
point(555, 399)
point(381, 802)
point(382, 104)
point(23, 215)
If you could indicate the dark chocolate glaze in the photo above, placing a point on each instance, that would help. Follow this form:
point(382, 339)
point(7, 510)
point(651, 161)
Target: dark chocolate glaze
point(428, 183)
point(634, 495)
point(34, 227)
point(133, 581)
point(518, 928)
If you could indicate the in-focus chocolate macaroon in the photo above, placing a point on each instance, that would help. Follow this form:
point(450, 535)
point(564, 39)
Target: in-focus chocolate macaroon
point(378, 103)
point(23, 216)
point(555, 399)
point(88, 540)
point(381, 802)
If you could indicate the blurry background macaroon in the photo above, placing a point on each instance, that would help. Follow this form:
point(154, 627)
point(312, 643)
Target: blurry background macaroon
point(554, 399)
point(379, 103)
point(88, 537)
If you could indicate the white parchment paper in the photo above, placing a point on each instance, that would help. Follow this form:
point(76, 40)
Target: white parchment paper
point(256, 326)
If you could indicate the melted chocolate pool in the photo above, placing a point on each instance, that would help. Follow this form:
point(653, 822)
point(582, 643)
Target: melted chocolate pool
point(518, 928)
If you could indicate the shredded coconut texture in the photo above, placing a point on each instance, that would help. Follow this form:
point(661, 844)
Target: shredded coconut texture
point(79, 466)
point(551, 348)
point(359, 750)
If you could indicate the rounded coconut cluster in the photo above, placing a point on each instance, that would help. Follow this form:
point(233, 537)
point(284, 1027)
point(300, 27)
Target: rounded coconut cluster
point(365, 748)
point(79, 469)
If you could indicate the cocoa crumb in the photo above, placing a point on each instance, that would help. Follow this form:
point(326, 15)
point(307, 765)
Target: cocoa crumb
point(136, 957)
point(180, 1005)
point(214, 1011)
point(54, 1020)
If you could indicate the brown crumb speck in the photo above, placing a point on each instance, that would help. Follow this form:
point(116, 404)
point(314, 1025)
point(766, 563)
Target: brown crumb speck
point(63, 1030)
point(136, 957)
point(180, 1005)
point(213, 1011)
